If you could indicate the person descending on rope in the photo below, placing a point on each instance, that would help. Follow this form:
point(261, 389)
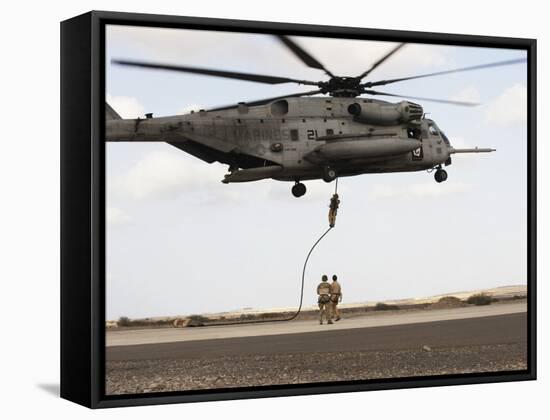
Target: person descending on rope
point(334, 203)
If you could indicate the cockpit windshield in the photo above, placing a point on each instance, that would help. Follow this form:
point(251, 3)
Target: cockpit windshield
point(435, 131)
point(445, 138)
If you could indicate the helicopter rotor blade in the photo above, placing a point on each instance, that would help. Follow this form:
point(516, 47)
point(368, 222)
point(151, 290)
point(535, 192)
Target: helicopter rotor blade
point(267, 100)
point(439, 73)
point(303, 55)
point(259, 78)
point(442, 101)
point(381, 60)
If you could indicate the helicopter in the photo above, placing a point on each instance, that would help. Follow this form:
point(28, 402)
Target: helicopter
point(301, 137)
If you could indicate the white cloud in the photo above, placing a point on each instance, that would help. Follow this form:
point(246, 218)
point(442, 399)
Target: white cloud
point(250, 53)
point(187, 109)
point(468, 94)
point(166, 174)
point(117, 217)
point(126, 106)
point(510, 107)
point(423, 190)
point(352, 57)
point(180, 44)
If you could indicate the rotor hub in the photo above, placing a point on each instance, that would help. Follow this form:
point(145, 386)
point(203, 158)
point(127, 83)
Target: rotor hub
point(338, 86)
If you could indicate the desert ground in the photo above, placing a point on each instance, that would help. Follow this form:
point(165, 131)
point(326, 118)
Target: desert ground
point(365, 345)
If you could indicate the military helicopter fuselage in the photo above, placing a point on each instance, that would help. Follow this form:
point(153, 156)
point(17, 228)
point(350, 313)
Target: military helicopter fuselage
point(301, 136)
point(296, 139)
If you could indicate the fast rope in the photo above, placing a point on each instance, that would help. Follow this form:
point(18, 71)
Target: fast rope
point(334, 202)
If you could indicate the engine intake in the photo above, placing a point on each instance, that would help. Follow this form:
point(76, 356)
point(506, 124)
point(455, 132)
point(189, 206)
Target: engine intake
point(385, 114)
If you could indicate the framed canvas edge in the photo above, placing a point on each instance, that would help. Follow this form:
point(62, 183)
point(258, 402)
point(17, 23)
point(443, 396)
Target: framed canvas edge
point(96, 304)
point(75, 205)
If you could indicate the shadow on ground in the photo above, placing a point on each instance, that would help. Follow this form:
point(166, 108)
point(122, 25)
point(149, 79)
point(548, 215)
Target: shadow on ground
point(52, 389)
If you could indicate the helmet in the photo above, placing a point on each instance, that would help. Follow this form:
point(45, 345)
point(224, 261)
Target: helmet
point(324, 278)
point(334, 277)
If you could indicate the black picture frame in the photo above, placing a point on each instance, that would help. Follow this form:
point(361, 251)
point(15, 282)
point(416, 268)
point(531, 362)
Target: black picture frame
point(83, 207)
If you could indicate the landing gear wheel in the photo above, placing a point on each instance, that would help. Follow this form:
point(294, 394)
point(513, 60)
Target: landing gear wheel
point(298, 189)
point(440, 175)
point(329, 174)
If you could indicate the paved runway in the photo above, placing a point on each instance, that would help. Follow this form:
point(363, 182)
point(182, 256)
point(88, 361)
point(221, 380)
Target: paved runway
point(369, 320)
point(509, 328)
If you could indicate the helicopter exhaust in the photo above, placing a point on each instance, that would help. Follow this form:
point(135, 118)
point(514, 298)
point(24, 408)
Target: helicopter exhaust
point(474, 150)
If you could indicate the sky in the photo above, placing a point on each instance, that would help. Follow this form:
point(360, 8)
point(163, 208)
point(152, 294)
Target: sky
point(181, 242)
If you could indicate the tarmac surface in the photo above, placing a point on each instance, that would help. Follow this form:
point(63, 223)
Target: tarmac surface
point(369, 320)
point(499, 329)
point(471, 345)
point(372, 346)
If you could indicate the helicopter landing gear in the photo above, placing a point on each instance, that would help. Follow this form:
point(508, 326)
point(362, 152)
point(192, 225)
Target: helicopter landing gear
point(298, 189)
point(329, 174)
point(440, 175)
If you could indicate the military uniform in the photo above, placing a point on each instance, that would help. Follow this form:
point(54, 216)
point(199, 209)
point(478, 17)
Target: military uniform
point(323, 290)
point(334, 203)
point(335, 297)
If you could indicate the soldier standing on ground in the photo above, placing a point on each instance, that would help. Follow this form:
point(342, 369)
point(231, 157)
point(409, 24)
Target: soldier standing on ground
point(323, 291)
point(335, 297)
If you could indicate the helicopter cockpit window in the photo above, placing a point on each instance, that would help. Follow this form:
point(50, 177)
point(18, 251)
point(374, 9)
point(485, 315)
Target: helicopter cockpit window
point(432, 130)
point(445, 138)
point(414, 133)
